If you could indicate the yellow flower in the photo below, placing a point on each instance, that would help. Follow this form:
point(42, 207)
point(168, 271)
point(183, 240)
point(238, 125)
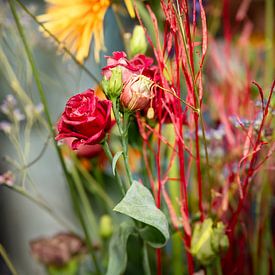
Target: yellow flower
point(75, 22)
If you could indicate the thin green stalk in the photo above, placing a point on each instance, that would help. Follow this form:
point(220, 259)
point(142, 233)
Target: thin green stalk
point(41, 204)
point(176, 266)
point(49, 122)
point(109, 155)
point(256, 230)
point(39, 86)
point(91, 219)
point(174, 94)
point(146, 263)
point(66, 50)
point(218, 266)
point(37, 81)
point(269, 41)
point(123, 131)
point(266, 232)
point(124, 139)
point(94, 186)
point(177, 252)
point(13, 80)
point(197, 107)
point(84, 226)
point(7, 260)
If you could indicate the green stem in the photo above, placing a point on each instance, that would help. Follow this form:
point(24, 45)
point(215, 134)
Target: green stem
point(124, 140)
point(38, 83)
point(175, 95)
point(219, 266)
point(84, 226)
point(7, 260)
point(109, 155)
point(40, 203)
point(269, 41)
point(146, 263)
point(176, 260)
point(123, 131)
point(49, 122)
point(94, 187)
point(265, 232)
point(208, 270)
point(13, 80)
point(66, 50)
point(90, 216)
point(255, 242)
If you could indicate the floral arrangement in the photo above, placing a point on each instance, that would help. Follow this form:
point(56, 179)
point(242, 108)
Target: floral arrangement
point(168, 158)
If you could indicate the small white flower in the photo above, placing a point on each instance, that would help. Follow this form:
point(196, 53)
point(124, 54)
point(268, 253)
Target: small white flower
point(5, 126)
point(18, 115)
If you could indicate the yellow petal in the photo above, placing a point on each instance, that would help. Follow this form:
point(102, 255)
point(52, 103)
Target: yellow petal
point(130, 7)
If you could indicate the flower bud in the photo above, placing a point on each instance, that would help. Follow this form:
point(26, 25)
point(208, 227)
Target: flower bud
point(219, 240)
point(208, 242)
point(113, 86)
point(106, 226)
point(137, 93)
point(138, 41)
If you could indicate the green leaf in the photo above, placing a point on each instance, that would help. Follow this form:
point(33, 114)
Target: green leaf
point(115, 159)
point(139, 204)
point(118, 249)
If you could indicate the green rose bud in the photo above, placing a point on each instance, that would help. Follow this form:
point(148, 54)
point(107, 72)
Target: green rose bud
point(208, 242)
point(219, 240)
point(113, 86)
point(106, 226)
point(138, 42)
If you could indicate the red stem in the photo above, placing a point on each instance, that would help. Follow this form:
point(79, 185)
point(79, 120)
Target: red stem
point(159, 266)
point(252, 163)
point(158, 251)
point(226, 24)
point(183, 193)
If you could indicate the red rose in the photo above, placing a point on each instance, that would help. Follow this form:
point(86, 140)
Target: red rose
point(84, 150)
point(140, 64)
point(85, 118)
point(143, 64)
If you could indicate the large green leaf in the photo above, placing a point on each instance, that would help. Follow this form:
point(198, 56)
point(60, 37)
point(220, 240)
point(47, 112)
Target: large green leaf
point(139, 204)
point(118, 249)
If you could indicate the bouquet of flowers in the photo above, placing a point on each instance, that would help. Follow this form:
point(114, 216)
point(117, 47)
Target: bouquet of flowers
point(168, 156)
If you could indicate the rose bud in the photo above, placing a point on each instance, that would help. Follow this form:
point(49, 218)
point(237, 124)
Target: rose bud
point(106, 226)
point(138, 43)
point(119, 60)
point(113, 86)
point(85, 118)
point(137, 93)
